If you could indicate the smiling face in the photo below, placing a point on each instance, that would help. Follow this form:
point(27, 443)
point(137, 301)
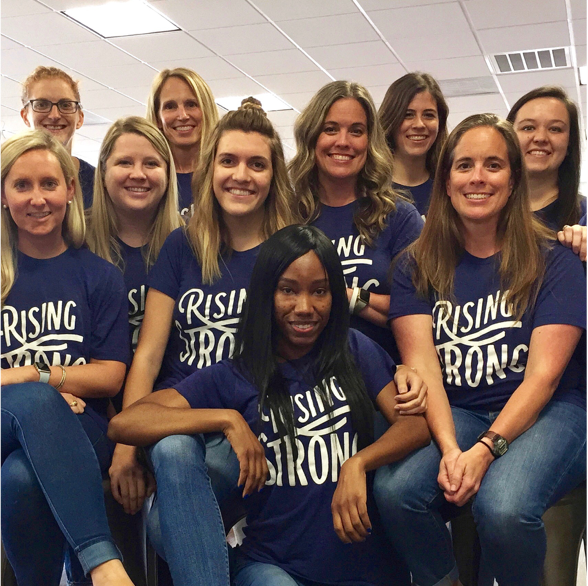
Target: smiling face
point(302, 306)
point(136, 175)
point(37, 194)
point(341, 148)
point(479, 183)
point(242, 173)
point(543, 128)
point(419, 129)
point(179, 116)
point(61, 126)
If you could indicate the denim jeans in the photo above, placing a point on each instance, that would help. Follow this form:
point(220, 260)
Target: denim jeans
point(540, 467)
point(51, 485)
point(194, 475)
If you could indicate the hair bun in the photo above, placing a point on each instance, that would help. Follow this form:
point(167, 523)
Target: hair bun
point(251, 103)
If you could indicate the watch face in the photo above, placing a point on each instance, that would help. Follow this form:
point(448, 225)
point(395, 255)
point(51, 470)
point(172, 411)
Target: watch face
point(42, 366)
point(501, 446)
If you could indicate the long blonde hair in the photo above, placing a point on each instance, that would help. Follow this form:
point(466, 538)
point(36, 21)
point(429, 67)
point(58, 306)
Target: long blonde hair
point(522, 238)
point(206, 231)
point(374, 183)
point(199, 88)
point(102, 225)
point(73, 227)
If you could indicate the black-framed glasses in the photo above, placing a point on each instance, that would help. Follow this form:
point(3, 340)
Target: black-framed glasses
point(43, 106)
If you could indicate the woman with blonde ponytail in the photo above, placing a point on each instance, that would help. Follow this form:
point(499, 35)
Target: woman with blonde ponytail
point(64, 353)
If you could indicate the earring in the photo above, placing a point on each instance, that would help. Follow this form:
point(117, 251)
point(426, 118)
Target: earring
point(69, 202)
point(4, 206)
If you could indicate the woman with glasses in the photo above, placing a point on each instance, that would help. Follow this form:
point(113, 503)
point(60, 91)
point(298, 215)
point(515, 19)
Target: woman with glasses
point(51, 102)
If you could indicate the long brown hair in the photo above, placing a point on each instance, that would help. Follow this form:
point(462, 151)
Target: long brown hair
point(568, 174)
point(374, 183)
point(522, 238)
point(395, 104)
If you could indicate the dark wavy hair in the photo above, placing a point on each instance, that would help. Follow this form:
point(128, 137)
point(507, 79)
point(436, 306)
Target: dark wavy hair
point(258, 335)
point(568, 174)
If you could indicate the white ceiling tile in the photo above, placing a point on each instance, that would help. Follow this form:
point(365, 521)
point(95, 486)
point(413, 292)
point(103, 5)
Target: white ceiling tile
point(372, 75)
point(283, 118)
point(446, 46)
point(457, 68)
point(236, 40)
point(480, 104)
point(18, 63)
point(581, 55)
point(204, 14)
point(97, 100)
point(121, 76)
point(294, 82)
point(520, 38)
point(579, 31)
point(278, 11)
point(207, 67)
point(114, 113)
point(235, 86)
point(8, 45)
point(578, 8)
point(352, 55)
point(44, 29)
point(66, 4)
point(298, 100)
point(21, 8)
point(378, 92)
point(80, 55)
point(139, 93)
point(10, 89)
point(420, 22)
point(521, 83)
point(329, 30)
point(370, 5)
point(512, 97)
point(94, 131)
point(497, 13)
point(162, 46)
point(272, 62)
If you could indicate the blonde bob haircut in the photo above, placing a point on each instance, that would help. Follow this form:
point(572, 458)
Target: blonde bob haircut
point(73, 228)
point(207, 233)
point(199, 88)
point(103, 224)
point(521, 237)
point(374, 189)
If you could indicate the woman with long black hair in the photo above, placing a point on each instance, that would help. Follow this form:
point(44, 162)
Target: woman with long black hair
point(306, 385)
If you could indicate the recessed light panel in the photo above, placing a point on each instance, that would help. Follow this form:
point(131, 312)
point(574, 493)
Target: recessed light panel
point(269, 102)
point(121, 19)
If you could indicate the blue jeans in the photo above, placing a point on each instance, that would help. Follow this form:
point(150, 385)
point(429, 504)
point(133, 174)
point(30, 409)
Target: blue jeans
point(540, 467)
point(51, 485)
point(194, 475)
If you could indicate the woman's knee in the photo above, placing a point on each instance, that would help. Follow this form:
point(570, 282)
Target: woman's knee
point(177, 450)
point(24, 398)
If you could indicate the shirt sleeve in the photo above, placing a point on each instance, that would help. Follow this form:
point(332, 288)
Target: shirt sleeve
point(562, 297)
point(210, 388)
point(109, 310)
point(406, 225)
point(166, 273)
point(376, 367)
point(404, 299)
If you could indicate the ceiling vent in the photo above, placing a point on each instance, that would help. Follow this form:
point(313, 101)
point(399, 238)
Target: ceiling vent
point(469, 86)
point(531, 60)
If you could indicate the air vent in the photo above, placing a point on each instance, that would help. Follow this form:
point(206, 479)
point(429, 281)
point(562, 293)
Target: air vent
point(531, 60)
point(469, 86)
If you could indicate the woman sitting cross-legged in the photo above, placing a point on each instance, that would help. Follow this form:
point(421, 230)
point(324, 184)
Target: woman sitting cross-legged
point(305, 385)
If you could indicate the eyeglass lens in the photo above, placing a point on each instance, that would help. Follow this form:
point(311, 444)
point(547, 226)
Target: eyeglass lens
point(64, 106)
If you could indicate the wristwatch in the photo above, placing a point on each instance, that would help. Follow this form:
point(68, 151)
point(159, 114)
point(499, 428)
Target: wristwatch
point(43, 370)
point(363, 298)
point(499, 444)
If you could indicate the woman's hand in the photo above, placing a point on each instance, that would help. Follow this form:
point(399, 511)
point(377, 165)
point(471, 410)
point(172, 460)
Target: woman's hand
point(76, 404)
point(574, 237)
point(412, 391)
point(448, 481)
point(250, 453)
point(471, 466)
point(349, 506)
point(130, 483)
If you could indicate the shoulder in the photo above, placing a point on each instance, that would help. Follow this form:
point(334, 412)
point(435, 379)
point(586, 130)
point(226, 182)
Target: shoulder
point(559, 257)
point(360, 344)
point(405, 218)
point(86, 168)
point(97, 271)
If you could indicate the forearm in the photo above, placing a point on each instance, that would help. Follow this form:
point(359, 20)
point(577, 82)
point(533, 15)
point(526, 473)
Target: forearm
point(146, 423)
point(438, 415)
point(141, 378)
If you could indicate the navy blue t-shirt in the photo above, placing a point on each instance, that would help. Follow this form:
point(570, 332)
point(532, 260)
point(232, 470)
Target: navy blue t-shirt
point(420, 194)
point(582, 221)
point(66, 310)
point(185, 194)
point(205, 317)
point(365, 266)
point(289, 523)
point(482, 348)
point(86, 179)
point(135, 275)
point(550, 213)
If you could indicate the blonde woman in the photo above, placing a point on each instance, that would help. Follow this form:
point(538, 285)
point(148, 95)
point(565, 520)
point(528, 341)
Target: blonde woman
point(198, 285)
point(64, 353)
point(51, 102)
point(182, 106)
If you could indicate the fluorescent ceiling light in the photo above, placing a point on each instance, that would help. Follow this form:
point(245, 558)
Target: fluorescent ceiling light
point(121, 19)
point(583, 75)
point(269, 102)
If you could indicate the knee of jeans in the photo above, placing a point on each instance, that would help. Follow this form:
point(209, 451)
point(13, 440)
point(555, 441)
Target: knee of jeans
point(176, 450)
point(21, 491)
point(21, 397)
point(393, 490)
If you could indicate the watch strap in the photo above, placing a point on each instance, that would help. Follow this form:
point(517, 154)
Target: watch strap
point(44, 372)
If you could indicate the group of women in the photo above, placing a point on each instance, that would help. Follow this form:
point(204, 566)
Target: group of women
point(228, 282)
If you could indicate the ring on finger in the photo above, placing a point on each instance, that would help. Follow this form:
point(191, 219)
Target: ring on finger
point(73, 404)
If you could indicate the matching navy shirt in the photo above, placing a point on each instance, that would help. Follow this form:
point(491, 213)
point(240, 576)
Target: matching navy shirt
point(185, 194)
point(298, 495)
point(86, 179)
point(205, 317)
point(482, 348)
point(365, 266)
point(66, 310)
point(420, 194)
point(550, 213)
